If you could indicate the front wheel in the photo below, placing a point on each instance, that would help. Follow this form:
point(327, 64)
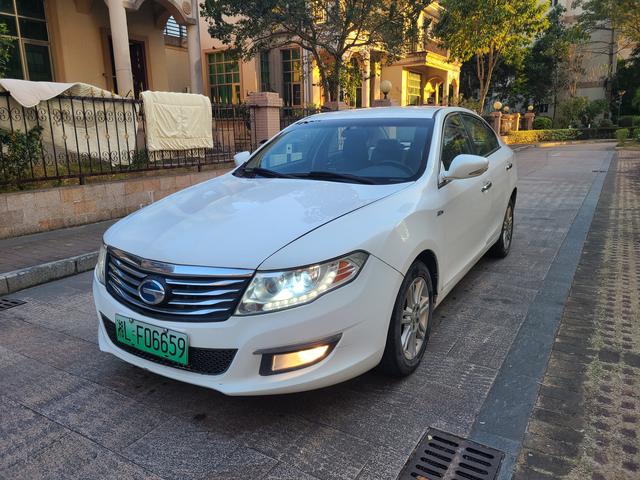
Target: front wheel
point(501, 248)
point(410, 324)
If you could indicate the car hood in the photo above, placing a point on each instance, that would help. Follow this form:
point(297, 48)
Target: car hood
point(238, 222)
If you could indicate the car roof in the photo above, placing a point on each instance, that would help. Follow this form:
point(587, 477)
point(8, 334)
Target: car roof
point(384, 112)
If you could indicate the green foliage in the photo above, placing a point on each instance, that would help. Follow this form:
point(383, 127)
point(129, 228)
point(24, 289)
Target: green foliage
point(542, 123)
point(493, 32)
point(330, 31)
point(594, 109)
point(139, 159)
point(6, 47)
point(605, 123)
point(19, 149)
point(571, 111)
point(535, 136)
point(552, 63)
point(622, 134)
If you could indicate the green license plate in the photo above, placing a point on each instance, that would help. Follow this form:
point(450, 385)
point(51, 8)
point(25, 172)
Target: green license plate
point(157, 341)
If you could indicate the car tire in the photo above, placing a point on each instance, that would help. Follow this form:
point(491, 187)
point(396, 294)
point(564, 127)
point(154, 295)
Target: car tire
point(501, 248)
point(410, 322)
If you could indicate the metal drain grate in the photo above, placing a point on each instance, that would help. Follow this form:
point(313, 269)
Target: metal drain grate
point(6, 303)
point(440, 455)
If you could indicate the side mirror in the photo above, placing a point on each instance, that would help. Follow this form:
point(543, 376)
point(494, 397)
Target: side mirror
point(466, 166)
point(241, 157)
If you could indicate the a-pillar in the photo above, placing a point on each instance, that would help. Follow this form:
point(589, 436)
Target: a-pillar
point(195, 57)
point(265, 115)
point(120, 41)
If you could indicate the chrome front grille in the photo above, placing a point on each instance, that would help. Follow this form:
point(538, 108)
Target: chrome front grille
point(191, 293)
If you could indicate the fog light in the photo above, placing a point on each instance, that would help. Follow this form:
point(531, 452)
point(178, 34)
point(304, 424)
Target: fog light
point(286, 359)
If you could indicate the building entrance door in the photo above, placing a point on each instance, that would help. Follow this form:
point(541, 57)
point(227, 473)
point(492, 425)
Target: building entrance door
point(138, 67)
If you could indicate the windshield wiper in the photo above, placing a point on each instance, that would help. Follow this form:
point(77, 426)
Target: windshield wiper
point(335, 177)
point(265, 172)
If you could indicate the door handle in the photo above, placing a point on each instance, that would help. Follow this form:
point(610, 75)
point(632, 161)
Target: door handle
point(486, 186)
point(509, 166)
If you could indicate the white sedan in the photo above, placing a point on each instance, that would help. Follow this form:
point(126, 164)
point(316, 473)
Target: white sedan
point(321, 256)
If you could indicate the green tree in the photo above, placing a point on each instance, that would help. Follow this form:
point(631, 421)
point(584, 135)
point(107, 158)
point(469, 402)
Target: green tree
point(6, 46)
point(330, 30)
point(623, 16)
point(491, 30)
point(553, 64)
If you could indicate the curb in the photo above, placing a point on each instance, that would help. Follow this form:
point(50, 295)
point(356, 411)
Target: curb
point(12, 282)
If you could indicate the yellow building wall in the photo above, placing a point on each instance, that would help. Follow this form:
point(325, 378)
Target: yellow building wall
point(79, 43)
point(249, 71)
point(178, 68)
point(398, 78)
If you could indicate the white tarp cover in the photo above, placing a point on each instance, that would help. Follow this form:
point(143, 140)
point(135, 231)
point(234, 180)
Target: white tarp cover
point(29, 94)
point(97, 127)
point(177, 121)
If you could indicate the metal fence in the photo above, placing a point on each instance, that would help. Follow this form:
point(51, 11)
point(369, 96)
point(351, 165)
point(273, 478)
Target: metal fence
point(289, 115)
point(78, 137)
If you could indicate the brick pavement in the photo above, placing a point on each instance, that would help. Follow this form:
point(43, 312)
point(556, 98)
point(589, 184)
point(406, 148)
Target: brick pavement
point(69, 411)
point(39, 248)
point(586, 421)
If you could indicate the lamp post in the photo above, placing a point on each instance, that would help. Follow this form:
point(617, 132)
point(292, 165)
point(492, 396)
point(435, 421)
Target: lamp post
point(385, 88)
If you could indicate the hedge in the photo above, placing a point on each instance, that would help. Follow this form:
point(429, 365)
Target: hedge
point(535, 136)
point(629, 121)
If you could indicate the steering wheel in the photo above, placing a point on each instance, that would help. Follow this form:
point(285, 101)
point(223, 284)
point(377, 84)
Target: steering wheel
point(401, 166)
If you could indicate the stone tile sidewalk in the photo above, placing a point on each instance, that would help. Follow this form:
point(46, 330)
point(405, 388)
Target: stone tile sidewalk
point(586, 421)
point(33, 259)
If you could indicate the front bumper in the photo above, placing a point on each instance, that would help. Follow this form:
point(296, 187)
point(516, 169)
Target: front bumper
point(359, 312)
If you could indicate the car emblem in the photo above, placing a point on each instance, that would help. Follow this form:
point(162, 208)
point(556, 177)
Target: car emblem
point(151, 291)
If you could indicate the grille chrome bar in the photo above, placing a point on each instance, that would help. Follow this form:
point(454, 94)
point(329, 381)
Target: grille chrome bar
point(162, 268)
point(210, 294)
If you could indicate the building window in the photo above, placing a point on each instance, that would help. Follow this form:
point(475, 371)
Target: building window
point(414, 90)
point(26, 24)
point(265, 85)
point(224, 78)
point(292, 76)
point(174, 34)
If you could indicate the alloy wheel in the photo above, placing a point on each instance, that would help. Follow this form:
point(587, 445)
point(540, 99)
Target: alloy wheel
point(415, 315)
point(507, 228)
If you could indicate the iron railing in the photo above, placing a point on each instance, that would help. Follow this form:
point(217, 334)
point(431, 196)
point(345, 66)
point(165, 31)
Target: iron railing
point(78, 137)
point(289, 115)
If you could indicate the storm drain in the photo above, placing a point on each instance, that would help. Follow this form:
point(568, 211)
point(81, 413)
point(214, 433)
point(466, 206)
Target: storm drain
point(440, 455)
point(6, 303)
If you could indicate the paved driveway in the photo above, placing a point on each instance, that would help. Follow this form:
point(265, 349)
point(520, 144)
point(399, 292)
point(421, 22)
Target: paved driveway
point(69, 411)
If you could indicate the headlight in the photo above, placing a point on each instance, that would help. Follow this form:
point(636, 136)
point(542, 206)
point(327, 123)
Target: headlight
point(102, 258)
point(271, 291)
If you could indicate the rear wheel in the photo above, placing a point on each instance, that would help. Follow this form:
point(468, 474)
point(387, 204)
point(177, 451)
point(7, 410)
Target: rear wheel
point(502, 247)
point(410, 324)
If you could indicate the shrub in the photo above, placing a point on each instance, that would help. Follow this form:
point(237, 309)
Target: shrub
point(622, 134)
point(534, 136)
point(605, 123)
point(542, 123)
point(18, 150)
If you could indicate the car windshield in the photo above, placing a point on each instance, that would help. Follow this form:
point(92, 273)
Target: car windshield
point(355, 150)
